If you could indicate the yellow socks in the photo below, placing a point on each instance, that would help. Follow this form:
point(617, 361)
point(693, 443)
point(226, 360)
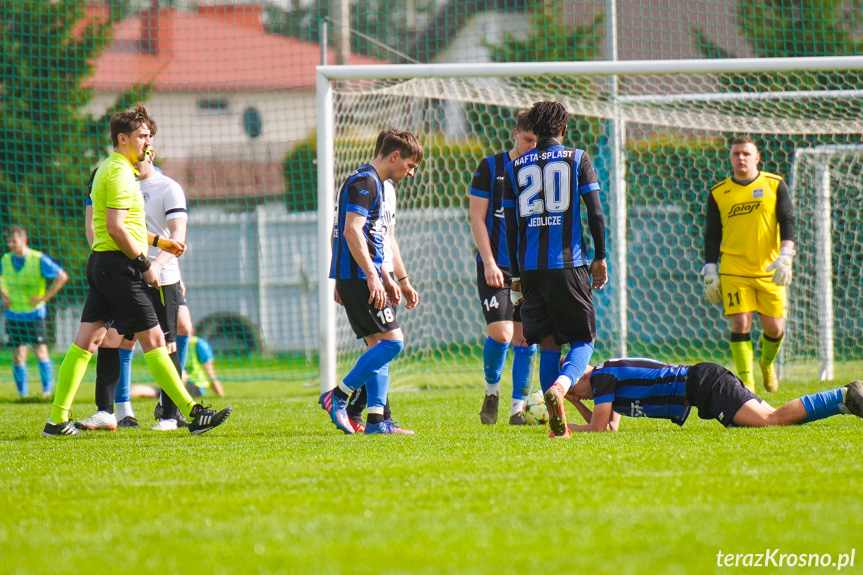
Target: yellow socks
point(769, 349)
point(68, 379)
point(162, 368)
point(741, 351)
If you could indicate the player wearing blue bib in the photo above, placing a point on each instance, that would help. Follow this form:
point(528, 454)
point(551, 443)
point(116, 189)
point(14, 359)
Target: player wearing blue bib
point(358, 252)
point(494, 280)
point(542, 204)
point(640, 387)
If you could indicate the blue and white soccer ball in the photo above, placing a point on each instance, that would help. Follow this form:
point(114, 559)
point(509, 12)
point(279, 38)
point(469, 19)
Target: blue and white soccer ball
point(535, 411)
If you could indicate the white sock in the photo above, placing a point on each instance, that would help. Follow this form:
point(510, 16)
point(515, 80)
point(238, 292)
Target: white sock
point(123, 410)
point(517, 406)
point(564, 382)
point(492, 388)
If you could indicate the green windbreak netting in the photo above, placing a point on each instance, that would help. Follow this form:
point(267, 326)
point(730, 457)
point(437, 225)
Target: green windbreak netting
point(232, 87)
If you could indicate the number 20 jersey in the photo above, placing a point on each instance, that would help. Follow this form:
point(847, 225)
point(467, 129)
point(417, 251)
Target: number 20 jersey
point(545, 187)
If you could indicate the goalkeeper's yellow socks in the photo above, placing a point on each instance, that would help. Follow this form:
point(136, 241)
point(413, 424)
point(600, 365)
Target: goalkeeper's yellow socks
point(68, 379)
point(769, 349)
point(165, 373)
point(741, 352)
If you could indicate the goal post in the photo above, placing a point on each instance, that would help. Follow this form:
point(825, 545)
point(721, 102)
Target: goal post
point(674, 120)
point(828, 171)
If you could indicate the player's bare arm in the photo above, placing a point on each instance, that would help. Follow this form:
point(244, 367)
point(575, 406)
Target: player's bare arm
point(478, 210)
point(56, 286)
point(412, 296)
point(356, 241)
point(89, 230)
point(394, 293)
point(177, 229)
point(596, 223)
point(600, 420)
point(167, 244)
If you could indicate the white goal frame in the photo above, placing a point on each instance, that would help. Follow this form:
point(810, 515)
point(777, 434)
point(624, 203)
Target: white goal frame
point(326, 75)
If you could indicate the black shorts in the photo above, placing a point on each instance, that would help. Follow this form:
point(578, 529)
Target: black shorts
point(495, 302)
point(558, 303)
point(166, 312)
point(364, 318)
point(716, 392)
point(28, 332)
point(117, 295)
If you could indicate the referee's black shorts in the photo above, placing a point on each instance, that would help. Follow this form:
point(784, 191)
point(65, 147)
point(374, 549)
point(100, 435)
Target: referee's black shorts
point(558, 303)
point(167, 300)
point(117, 295)
point(362, 315)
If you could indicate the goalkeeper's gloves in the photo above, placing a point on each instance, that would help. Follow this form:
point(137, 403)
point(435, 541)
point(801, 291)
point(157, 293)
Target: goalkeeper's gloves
point(515, 295)
point(781, 266)
point(712, 287)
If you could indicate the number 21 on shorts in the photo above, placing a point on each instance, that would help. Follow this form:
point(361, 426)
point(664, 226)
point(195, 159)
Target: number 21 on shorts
point(733, 299)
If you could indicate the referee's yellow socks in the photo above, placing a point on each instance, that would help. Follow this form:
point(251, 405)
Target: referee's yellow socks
point(741, 351)
point(68, 379)
point(165, 374)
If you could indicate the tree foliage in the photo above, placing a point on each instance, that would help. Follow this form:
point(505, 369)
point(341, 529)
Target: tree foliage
point(793, 28)
point(414, 30)
point(50, 144)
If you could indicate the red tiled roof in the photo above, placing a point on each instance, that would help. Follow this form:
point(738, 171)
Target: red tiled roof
point(205, 52)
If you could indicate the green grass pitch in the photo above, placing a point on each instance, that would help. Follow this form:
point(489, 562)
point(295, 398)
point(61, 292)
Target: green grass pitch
point(278, 490)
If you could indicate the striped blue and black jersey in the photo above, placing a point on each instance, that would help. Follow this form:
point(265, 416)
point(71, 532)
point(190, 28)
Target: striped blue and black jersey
point(639, 387)
point(488, 183)
point(362, 193)
point(545, 186)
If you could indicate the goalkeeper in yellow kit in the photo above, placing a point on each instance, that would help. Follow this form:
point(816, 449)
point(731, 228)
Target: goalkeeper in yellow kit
point(750, 234)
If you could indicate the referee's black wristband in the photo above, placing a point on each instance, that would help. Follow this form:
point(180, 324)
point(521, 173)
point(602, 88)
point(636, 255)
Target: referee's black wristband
point(155, 241)
point(402, 279)
point(141, 263)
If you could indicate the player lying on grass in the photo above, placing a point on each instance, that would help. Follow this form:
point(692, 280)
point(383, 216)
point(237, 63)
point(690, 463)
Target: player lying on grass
point(640, 387)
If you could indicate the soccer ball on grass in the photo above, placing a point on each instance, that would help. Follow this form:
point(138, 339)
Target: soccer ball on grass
point(535, 412)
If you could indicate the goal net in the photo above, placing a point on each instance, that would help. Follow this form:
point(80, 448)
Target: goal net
point(658, 133)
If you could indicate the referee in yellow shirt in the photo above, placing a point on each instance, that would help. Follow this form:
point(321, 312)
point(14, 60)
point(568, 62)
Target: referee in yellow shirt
point(118, 273)
point(750, 233)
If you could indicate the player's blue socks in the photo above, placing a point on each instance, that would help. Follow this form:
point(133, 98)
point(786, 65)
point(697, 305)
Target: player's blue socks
point(821, 405)
point(121, 395)
point(549, 367)
point(46, 372)
point(19, 372)
point(182, 349)
point(522, 370)
point(493, 357)
point(376, 388)
point(371, 361)
point(576, 361)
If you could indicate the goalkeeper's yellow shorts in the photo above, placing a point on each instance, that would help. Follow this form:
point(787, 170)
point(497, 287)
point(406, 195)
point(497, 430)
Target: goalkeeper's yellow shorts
point(741, 294)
